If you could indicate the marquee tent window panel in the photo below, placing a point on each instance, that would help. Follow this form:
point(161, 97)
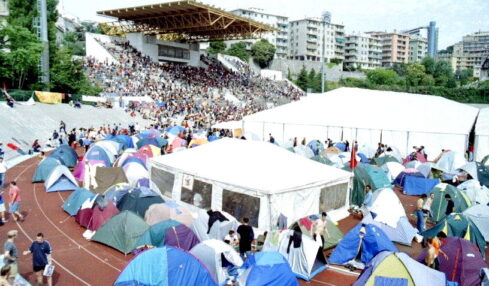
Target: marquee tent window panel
point(200, 195)
point(163, 180)
point(241, 205)
point(333, 197)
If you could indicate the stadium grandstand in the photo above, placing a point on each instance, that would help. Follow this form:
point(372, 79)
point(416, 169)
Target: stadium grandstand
point(183, 82)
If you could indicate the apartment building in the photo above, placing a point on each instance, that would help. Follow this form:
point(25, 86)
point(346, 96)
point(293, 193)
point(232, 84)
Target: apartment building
point(418, 48)
point(306, 37)
point(362, 51)
point(470, 53)
point(395, 47)
point(278, 39)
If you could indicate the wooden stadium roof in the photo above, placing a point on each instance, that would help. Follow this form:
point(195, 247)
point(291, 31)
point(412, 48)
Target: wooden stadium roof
point(186, 20)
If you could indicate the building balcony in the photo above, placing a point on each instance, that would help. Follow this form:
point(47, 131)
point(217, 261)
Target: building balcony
point(312, 40)
point(312, 46)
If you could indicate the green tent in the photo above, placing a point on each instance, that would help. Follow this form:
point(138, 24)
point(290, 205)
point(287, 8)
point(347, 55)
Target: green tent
point(332, 234)
point(155, 235)
point(459, 225)
point(122, 231)
point(365, 174)
point(379, 161)
point(324, 160)
point(439, 205)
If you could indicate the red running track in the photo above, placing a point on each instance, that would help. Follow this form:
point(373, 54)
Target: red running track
point(78, 261)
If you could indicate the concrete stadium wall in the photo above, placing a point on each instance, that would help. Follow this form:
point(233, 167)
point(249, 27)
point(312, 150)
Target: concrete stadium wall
point(332, 74)
point(23, 124)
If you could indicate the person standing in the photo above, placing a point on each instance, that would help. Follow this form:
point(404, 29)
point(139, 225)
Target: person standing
point(1, 150)
point(246, 236)
point(62, 126)
point(41, 257)
point(427, 205)
point(3, 172)
point(2, 209)
point(320, 226)
point(420, 223)
point(14, 200)
point(367, 201)
point(10, 253)
point(450, 205)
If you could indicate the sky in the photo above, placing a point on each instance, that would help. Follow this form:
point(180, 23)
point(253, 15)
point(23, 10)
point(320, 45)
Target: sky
point(454, 18)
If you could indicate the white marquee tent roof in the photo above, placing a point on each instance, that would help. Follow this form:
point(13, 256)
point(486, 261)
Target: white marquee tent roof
point(259, 166)
point(482, 125)
point(374, 109)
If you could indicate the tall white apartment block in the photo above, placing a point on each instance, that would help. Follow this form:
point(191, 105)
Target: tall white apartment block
point(418, 48)
point(362, 51)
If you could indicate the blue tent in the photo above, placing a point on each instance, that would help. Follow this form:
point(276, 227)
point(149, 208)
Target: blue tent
point(66, 155)
point(116, 192)
point(363, 158)
point(60, 179)
point(213, 138)
point(134, 159)
point(415, 185)
point(75, 201)
point(400, 180)
point(124, 140)
point(374, 241)
point(341, 146)
point(165, 266)
point(267, 268)
point(44, 169)
point(316, 146)
point(98, 153)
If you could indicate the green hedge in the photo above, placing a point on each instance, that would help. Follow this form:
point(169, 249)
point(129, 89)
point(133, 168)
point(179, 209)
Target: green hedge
point(18, 95)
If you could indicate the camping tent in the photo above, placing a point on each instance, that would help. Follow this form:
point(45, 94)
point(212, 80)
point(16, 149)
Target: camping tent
point(135, 172)
point(332, 234)
point(125, 140)
point(165, 266)
point(306, 260)
point(168, 232)
point(462, 264)
point(365, 174)
point(218, 229)
point(458, 225)
point(481, 144)
point(242, 186)
point(450, 161)
point(101, 215)
point(388, 214)
point(116, 192)
point(99, 154)
point(84, 214)
point(85, 170)
point(362, 242)
point(392, 169)
point(107, 177)
point(44, 169)
point(121, 232)
point(267, 268)
point(397, 268)
point(479, 214)
point(150, 151)
point(66, 154)
point(112, 148)
point(393, 125)
point(416, 185)
point(138, 201)
point(476, 192)
point(439, 204)
point(74, 202)
point(400, 180)
point(168, 210)
point(60, 179)
point(211, 252)
point(382, 160)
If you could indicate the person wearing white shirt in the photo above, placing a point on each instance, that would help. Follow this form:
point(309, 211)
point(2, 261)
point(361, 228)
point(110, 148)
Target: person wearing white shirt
point(232, 238)
point(3, 172)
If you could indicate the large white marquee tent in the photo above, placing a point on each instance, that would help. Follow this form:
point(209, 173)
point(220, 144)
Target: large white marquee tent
point(398, 119)
point(481, 145)
point(250, 178)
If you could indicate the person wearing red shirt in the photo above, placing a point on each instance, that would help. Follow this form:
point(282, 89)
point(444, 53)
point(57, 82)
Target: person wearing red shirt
point(14, 200)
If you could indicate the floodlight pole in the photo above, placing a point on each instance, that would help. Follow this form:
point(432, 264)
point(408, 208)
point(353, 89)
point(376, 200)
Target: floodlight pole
point(322, 55)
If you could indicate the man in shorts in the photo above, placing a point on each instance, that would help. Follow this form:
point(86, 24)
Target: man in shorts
point(41, 257)
point(10, 253)
point(14, 199)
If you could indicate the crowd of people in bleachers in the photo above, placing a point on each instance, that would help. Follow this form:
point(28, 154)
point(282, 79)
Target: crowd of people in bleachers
point(196, 94)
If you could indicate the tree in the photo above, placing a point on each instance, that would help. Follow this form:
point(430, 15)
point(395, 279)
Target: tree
point(415, 74)
point(464, 76)
point(400, 68)
point(289, 75)
point(311, 77)
point(443, 69)
point(73, 42)
point(302, 80)
point(429, 65)
point(263, 52)
point(67, 75)
point(217, 47)
point(382, 76)
point(238, 50)
point(20, 55)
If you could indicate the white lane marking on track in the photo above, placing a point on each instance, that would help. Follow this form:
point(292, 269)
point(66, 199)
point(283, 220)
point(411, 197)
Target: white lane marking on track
point(67, 236)
point(323, 283)
point(61, 197)
point(337, 269)
point(28, 237)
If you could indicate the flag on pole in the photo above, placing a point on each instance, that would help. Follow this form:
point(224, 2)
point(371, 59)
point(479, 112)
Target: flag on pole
point(353, 159)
